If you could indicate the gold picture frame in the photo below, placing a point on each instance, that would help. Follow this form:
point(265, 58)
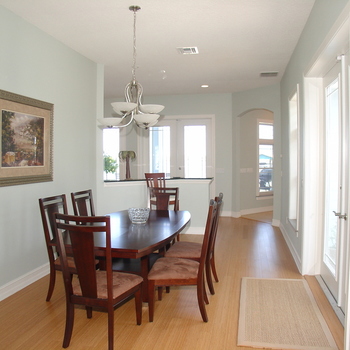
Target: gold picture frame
point(26, 140)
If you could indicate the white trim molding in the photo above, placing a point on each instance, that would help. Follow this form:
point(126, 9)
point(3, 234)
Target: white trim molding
point(23, 281)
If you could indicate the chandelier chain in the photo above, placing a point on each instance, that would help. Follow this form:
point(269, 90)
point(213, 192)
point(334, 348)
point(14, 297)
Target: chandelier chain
point(134, 49)
point(144, 116)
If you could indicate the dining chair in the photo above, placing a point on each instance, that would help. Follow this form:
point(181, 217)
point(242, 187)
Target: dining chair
point(83, 204)
point(49, 206)
point(157, 180)
point(162, 197)
point(92, 288)
point(192, 250)
point(168, 271)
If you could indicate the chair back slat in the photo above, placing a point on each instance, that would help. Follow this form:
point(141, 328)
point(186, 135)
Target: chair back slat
point(155, 179)
point(83, 204)
point(213, 235)
point(165, 196)
point(49, 206)
point(207, 234)
point(83, 253)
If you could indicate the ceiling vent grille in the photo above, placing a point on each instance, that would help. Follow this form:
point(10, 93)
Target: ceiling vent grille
point(268, 74)
point(188, 50)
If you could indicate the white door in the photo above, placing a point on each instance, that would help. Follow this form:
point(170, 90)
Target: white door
point(335, 187)
point(194, 148)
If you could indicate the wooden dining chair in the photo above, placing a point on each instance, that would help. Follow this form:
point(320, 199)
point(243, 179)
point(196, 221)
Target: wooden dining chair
point(157, 180)
point(182, 272)
point(93, 288)
point(192, 250)
point(163, 196)
point(49, 206)
point(83, 204)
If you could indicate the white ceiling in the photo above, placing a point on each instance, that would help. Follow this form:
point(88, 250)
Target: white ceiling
point(236, 39)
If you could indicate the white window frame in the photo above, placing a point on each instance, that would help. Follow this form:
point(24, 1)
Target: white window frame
point(294, 159)
point(263, 142)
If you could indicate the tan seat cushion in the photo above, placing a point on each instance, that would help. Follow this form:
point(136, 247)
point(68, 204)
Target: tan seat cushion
point(122, 282)
point(173, 268)
point(187, 250)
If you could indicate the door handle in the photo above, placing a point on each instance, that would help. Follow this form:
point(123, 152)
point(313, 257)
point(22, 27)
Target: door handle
point(340, 216)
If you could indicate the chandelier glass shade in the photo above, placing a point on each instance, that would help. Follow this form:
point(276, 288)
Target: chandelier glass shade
point(132, 110)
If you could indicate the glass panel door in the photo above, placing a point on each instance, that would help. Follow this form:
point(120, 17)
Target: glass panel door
point(332, 178)
point(335, 189)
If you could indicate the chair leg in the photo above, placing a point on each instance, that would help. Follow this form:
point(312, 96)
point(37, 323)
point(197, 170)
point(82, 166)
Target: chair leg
point(69, 324)
point(110, 328)
point(88, 311)
point(151, 288)
point(201, 303)
point(138, 306)
point(160, 293)
point(209, 278)
point(51, 283)
point(212, 264)
point(205, 295)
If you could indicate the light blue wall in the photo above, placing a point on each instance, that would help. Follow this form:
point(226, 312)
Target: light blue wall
point(248, 162)
point(35, 65)
point(267, 98)
point(320, 22)
point(227, 109)
point(219, 105)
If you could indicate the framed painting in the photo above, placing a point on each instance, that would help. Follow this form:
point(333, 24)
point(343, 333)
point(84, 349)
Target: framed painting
point(26, 140)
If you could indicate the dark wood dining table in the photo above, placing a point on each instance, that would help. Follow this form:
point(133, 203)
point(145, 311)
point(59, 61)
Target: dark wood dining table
point(139, 241)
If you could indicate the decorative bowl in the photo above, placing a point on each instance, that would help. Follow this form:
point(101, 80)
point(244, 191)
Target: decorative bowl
point(138, 215)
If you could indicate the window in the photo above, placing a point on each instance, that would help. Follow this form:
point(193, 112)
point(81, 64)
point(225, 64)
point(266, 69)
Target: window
point(160, 150)
point(265, 159)
point(181, 147)
point(294, 160)
point(110, 153)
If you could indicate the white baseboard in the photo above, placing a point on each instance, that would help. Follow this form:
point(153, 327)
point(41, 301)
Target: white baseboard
point(255, 210)
point(276, 223)
point(230, 214)
point(294, 253)
point(23, 281)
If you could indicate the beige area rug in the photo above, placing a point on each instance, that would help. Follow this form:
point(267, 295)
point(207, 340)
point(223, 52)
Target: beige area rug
point(281, 314)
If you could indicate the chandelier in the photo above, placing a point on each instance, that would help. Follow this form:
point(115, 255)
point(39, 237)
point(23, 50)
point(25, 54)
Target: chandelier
point(132, 110)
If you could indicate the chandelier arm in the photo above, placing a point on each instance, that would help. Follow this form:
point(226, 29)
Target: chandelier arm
point(128, 123)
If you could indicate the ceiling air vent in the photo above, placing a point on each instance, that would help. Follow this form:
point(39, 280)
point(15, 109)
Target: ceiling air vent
point(268, 74)
point(188, 50)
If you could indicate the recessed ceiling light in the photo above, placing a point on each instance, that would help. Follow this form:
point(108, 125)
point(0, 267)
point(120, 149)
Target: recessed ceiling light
point(204, 86)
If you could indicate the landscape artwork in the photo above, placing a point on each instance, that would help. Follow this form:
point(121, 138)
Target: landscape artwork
point(22, 140)
point(26, 140)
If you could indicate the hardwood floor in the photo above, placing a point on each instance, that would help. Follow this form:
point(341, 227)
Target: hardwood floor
point(245, 248)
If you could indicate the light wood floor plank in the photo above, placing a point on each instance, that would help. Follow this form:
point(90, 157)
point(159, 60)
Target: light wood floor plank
point(245, 248)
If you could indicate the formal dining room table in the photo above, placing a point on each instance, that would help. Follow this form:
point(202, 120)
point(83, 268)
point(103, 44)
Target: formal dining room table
point(139, 241)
